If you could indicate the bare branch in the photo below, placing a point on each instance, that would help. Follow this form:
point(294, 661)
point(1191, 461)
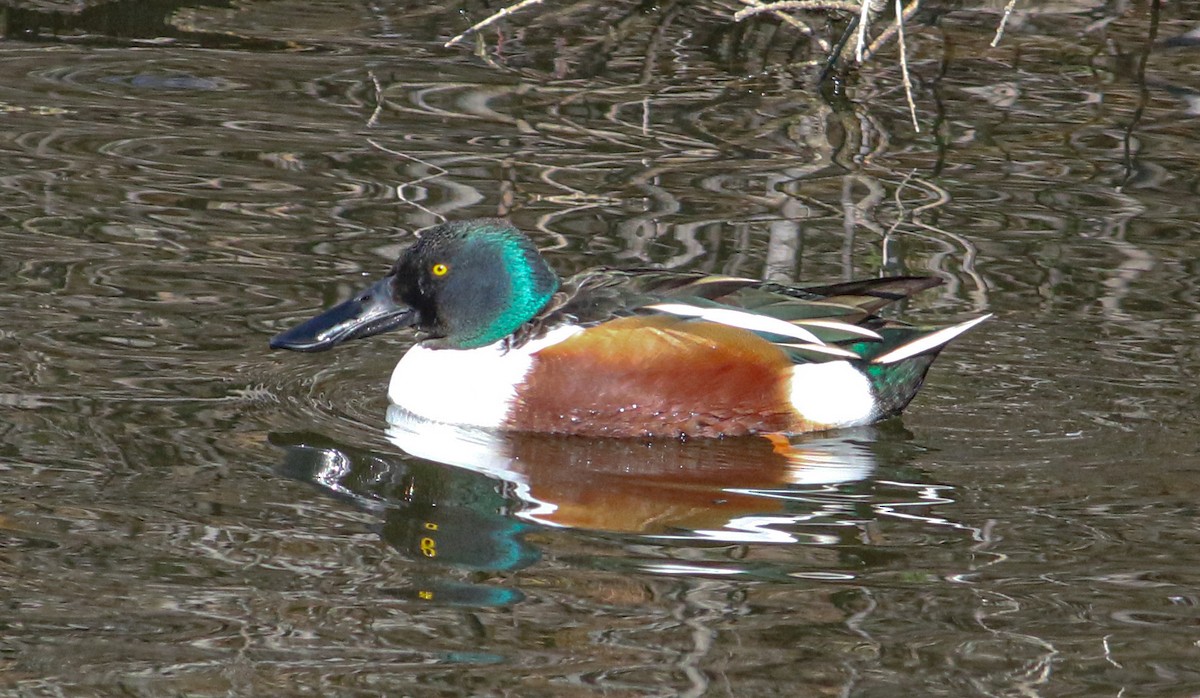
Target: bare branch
point(1003, 21)
point(778, 10)
point(912, 107)
point(756, 7)
point(863, 21)
point(886, 35)
point(495, 17)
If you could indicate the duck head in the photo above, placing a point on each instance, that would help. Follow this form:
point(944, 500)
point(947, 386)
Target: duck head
point(466, 284)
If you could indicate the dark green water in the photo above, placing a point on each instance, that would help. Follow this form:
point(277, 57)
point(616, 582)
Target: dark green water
point(184, 512)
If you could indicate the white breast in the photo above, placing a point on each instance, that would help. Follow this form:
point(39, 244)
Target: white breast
point(473, 387)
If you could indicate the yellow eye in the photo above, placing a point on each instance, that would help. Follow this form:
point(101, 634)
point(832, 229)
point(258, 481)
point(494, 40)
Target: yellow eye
point(440, 269)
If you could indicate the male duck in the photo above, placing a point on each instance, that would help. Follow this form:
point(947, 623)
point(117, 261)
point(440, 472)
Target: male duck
point(629, 353)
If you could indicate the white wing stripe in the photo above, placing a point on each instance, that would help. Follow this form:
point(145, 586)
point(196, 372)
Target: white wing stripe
point(843, 326)
point(738, 318)
point(825, 349)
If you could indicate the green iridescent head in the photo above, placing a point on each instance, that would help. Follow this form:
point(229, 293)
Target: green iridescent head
point(473, 282)
point(468, 284)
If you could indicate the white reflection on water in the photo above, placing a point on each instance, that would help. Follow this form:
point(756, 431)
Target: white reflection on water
point(747, 490)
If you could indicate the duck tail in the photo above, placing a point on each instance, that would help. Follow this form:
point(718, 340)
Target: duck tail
point(897, 370)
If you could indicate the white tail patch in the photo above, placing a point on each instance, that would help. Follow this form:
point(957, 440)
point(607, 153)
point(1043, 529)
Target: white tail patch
point(843, 326)
point(834, 394)
point(738, 318)
point(928, 342)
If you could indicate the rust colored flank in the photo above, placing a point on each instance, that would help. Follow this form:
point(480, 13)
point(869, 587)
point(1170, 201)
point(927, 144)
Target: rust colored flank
point(657, 376)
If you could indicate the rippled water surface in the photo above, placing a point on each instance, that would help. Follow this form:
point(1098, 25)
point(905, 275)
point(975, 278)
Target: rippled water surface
point(185, 512)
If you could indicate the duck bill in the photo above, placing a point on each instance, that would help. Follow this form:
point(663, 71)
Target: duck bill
point(369, 312)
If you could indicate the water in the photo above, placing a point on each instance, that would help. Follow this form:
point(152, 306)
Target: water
point(184, 512)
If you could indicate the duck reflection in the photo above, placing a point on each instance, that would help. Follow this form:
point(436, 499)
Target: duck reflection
point(721, 489)
point(476, 513)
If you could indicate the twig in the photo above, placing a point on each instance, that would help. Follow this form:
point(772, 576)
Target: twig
point(887, 34)
point(757, 7)
point(838, 50)
point(777, 9)
point(912, 107)
point(798, 25)
point(1003, 21)
point(496, 16)
point(863, 20)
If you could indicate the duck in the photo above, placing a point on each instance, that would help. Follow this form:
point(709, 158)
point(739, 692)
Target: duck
point(505, 344)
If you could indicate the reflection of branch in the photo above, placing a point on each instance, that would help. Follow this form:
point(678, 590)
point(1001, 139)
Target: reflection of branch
point(494, 17)
point(656, 39)
point(1143, 99)
point(861, 212)
point(785, 241)
point(970, 253)
point(400, 193)
point(1137, 261)
point(899, 205)
point(374, 120)
point(637, 230)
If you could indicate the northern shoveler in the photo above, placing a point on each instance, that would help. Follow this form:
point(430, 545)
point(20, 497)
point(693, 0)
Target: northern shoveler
point(608, 352)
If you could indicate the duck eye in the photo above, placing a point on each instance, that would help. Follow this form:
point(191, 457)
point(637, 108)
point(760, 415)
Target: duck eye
point(439, 269)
